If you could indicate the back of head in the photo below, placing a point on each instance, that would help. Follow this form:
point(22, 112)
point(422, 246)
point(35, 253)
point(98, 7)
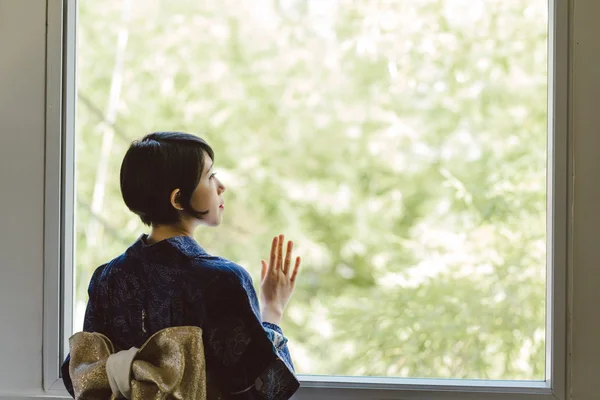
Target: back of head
point(154, 167)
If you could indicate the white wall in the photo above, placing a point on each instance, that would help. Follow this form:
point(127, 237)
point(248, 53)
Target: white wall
point(22, 116)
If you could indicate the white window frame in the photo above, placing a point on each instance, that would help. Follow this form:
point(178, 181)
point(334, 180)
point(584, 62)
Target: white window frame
point(59, 195)
point(59, 233)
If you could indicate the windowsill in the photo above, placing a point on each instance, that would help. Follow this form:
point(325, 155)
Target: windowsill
point(445, 385)
point(327, 386)
point(33, 395)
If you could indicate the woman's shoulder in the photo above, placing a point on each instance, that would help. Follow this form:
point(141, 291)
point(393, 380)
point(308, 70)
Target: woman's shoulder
point(219, 267)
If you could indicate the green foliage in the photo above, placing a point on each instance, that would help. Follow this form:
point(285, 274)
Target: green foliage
point(402, 145)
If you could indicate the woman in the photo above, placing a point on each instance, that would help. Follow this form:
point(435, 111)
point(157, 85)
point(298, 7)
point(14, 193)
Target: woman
point(165, 279)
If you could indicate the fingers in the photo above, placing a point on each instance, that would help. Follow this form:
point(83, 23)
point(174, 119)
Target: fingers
point(277, 262)
point(288, 256)
point(296, 268)
point(263, 270)
point(280, 252)
point(273, 257)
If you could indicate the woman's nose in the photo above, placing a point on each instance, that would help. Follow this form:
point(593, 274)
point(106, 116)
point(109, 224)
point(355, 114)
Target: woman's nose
point(221, 187)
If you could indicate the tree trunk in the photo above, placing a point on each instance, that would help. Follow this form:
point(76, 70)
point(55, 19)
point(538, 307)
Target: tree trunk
point(94, 229)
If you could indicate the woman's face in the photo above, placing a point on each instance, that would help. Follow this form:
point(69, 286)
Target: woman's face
point(208, 195)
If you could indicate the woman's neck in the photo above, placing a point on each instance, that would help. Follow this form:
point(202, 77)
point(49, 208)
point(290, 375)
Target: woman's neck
point(162, 232)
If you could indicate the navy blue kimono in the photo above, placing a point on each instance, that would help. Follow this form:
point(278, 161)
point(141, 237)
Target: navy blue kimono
point(176, 283)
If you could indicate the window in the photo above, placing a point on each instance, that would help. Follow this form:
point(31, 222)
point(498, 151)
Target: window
point(415, 151)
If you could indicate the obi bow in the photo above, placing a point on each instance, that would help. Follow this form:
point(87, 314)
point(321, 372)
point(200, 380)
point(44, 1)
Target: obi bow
point(169, 365)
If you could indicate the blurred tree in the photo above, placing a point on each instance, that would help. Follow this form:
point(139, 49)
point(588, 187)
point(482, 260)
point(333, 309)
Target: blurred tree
point(402, 145)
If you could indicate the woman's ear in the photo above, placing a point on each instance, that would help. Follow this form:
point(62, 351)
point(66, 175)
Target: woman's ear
point(175, 199)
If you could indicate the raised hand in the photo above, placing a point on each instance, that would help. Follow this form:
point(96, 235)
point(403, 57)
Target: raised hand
point(278, 279)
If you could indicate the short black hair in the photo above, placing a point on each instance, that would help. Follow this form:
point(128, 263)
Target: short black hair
point(156, 165)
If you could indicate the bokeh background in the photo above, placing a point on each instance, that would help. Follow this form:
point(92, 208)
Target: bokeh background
point(400, 144)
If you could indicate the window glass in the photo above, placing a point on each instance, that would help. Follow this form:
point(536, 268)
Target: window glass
point(400, 144)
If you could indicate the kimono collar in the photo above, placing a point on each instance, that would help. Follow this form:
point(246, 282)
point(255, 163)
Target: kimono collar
point(183, 244)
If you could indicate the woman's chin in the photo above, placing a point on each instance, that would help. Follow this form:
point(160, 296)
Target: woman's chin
point(218, 220)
